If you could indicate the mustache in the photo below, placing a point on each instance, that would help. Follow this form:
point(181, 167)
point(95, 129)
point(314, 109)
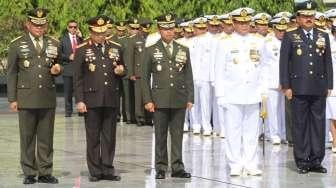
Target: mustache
point(309, 21)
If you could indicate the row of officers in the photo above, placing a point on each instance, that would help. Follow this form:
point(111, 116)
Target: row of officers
point(210, 77)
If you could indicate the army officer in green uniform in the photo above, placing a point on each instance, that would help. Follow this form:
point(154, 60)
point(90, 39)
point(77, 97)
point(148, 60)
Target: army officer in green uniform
point(171, 93)
point(32, 66)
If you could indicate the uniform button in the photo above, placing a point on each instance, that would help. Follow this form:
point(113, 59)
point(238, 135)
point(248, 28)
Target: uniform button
point(40, 76)
point(105, 74)
point(53, 85)
point(310, 55)
point(22, 86)
point(171, 76)
point(170, 69)
point(40, 86)
point(170, 61)
point(138, 64)
point(39, 66)
point(39, 57)
point(171, 84)
point(310, 72)
point(311, 63)
point(105, 83)
point(103, 58)
point(104, 65)
point(90, 89)
point(310, 46)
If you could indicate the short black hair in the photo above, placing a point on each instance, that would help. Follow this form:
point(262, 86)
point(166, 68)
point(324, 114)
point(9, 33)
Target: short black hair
point(72, 21)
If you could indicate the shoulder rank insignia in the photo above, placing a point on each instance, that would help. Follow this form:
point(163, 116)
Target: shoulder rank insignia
point(81, 45)
point(292, 29)
point(16, 38)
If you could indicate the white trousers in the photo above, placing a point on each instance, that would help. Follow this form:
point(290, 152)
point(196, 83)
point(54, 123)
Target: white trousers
point(201, 110)
point(275, 120)
point(242, 128)
point(217, 115)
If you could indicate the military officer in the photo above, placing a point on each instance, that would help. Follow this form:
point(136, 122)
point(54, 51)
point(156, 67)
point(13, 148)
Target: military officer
point(261, 21)
point(172, 92)
point(32, 67)
point(321, 21)
point(306, 77)
point(98, 66)
point(227, 24)
point(275, 100)
point(136, 48)
point(240, 86)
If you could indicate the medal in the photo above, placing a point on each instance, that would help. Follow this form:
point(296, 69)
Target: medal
point(26, 63)
point(317, 51)
point(299, 51)
point(92, 67)
point(158, 67)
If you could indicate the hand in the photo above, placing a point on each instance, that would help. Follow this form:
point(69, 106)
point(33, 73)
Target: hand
point(81, 107)
point(55, 69)
point(13, 106)
point(288, 93)
point(150, 107)
point(72, 57)
point(133, 78)
point(189, 105)
point(119, 69)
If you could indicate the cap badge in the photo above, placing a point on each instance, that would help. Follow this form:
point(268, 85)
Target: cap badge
point(168, 17)
point(243, 13)
point(39, 13)
point(309, 5)
point(100, 21)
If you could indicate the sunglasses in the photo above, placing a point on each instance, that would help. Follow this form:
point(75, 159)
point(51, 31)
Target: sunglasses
point(72, 27)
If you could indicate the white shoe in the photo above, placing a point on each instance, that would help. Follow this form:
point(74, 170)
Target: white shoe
point(254, 172)
point(235, 172)
point(206, 133)
point(333, 149)
point(195, 131)
point(222, 135)
point(276, 140)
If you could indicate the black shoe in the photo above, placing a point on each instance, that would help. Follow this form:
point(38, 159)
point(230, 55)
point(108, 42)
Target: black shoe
point(80, 114)
point(318, 169)
point(67, 115)
point(29, 180)
point(181, 174)
point(47, 179)
point(303, 170)
point(160, 174)
point(111, 177)
point(94, 178)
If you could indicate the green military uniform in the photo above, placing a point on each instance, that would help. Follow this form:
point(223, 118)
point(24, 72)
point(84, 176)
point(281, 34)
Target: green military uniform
point(172, 89)
point(32, 86)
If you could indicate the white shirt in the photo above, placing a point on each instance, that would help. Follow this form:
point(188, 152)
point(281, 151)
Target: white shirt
point(311, 33)
point(238, 73)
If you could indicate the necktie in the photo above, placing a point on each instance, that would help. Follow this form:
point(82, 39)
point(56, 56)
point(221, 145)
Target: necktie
point(100, 47)
point(168, 49)
point(309, 36)
point(38, 46)
point(73, 44)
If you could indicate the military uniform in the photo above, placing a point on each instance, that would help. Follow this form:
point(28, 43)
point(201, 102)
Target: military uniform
point(31, 84)
point(306, 69)
point(97, 86)
point(172, 89)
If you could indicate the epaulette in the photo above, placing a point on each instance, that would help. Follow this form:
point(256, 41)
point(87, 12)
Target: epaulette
point(322, 30)
point(109, 37)
point(225, 37)
point(268, 39)
point(122, 37)
point(16, 38)
point(54, 38)
point(111, 41)
point(181, 44)
point(131, 36)
point(291, 29)
point(81, 45)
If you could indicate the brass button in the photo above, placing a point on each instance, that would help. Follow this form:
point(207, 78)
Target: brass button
point(40, 76)
point(40, 86)
point(310, 46)
point(90, 89)
point(171, 76)
point(105, 74)
point(311, 63)
point(39, 57)
point(103, 58)
point(104, 65)
point(310, 72)
point(22, 86)
point(170, 61)
point(310, 55)
point(170, 69)
point(171, 84)
point(105, 83)
point(138, 64)
point(39, 66)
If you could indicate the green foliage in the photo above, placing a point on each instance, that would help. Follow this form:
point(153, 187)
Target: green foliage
point(12, 12)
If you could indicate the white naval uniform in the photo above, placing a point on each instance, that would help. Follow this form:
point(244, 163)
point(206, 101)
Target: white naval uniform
point(188, 42)
point(202, 62)
point(331, 100)
point(275, 104)
point(239, 87)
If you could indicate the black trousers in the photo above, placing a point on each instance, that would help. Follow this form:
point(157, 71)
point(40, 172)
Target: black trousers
point(36, 140)
point(308, 113)
point(100, 124)
point(172, 119)
point(68, 93)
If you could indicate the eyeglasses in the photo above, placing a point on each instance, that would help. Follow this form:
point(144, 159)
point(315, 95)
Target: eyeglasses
point(72, 27)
